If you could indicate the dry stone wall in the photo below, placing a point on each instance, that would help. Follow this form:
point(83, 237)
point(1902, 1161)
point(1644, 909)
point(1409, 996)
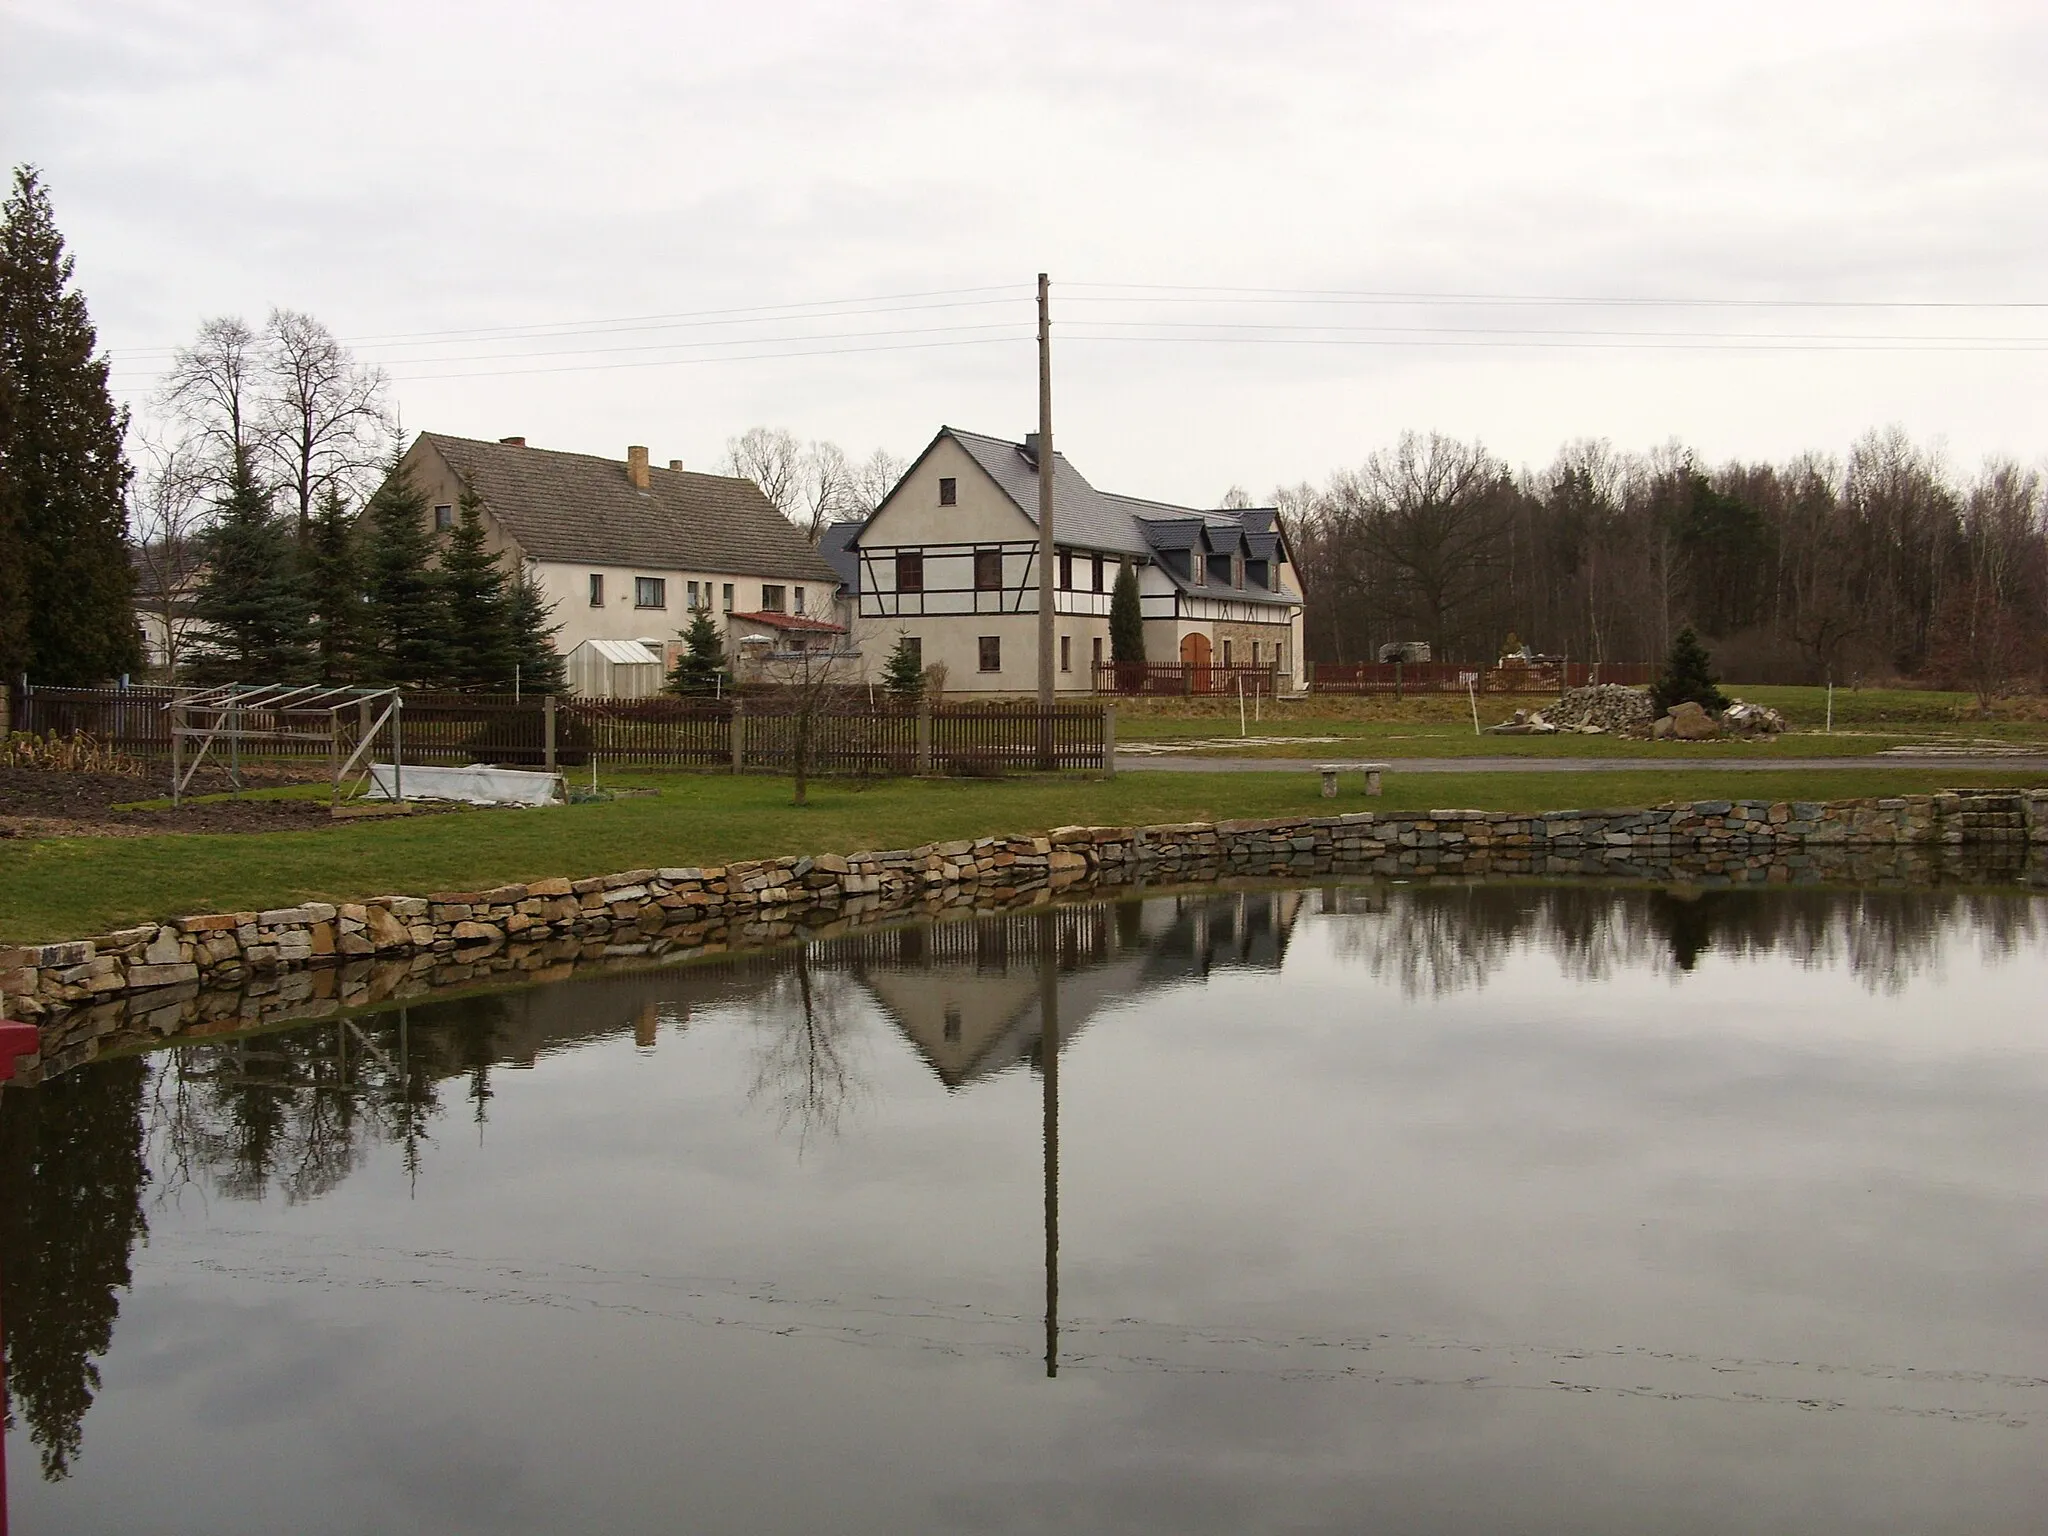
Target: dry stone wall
point(234, 971)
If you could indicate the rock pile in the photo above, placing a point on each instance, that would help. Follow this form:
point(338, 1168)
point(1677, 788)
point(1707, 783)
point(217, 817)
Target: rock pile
point(1604, 708)
point(1752, 719)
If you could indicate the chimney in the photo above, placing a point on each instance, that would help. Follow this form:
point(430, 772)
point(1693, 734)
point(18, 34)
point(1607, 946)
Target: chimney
point(676, 465)
point(513, 442)
point(636, 466)
point(1031, 447)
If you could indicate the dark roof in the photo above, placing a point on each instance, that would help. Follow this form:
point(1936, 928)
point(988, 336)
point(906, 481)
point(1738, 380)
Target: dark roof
point(836, 546)
point(577, 507)
point(1081, 515)
point(791, 621)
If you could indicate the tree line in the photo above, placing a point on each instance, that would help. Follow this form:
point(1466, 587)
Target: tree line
point(1886, 563)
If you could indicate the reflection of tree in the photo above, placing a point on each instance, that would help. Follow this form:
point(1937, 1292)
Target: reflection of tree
point(71, 1177)
point(1436, 940)
point(805, 1065)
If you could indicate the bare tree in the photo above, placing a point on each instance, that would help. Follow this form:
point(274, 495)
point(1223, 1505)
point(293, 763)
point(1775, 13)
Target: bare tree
point(812, 484)
point(215, 391)
point(168, 507)
point(807, 1065)
point(324, 415)
point(871, 480)
point(802, 683)
point(772, 458)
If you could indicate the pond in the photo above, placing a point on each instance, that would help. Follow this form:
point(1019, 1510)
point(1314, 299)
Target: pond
point(1352, 1207)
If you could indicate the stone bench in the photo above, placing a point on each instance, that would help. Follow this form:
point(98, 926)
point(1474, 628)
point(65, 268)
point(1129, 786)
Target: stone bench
point(1329, 771)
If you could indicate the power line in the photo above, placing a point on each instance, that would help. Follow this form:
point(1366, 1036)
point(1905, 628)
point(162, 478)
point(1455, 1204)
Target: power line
point(1227, 295)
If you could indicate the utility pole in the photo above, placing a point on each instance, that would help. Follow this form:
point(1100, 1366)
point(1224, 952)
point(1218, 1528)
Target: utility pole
point(1045, 530)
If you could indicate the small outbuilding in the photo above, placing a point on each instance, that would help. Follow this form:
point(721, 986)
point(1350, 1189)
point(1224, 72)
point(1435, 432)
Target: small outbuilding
point(615, 669)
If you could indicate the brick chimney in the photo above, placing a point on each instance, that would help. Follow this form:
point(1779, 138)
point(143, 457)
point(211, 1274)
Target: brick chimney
point(676, 465)
point(636, 466)
point(513, 442)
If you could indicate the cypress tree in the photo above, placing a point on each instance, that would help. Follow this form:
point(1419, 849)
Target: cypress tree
point(481, 652)
point(702, 663)
point(334, 581)
point(1126, 618)
point(67, 587)
point(1687, 677)
point(252, 620)
point(903, 673)
point(407, 619)
point(533, 636)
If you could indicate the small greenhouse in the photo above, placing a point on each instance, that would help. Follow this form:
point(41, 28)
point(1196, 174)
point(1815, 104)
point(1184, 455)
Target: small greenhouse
point(615, 669)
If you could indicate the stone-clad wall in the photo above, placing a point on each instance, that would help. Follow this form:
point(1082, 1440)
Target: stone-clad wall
point(82, 989)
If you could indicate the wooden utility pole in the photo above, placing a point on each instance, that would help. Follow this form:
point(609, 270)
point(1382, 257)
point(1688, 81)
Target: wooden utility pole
point(1045, 530)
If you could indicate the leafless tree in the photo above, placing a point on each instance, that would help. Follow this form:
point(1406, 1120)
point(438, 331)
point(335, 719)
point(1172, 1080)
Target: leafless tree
point(871, 480)
point(325, 421)
point(215, 392)
point(168, 508)
point(811, 484)
point(772, 458)
point(806, 1065)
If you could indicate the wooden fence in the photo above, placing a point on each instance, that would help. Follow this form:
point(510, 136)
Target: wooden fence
point(1399, 677)
point(848, 737)
point(1170, 678)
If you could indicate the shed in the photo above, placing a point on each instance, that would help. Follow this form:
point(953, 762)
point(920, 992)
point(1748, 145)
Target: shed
point(615, 669)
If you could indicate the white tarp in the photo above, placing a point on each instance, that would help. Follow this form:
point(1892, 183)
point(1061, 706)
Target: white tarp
point(476, 784)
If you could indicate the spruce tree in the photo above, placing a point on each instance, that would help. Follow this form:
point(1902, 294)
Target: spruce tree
point(67, 588)
point(252, 622)
point(702, 664)
point(903, 673)
point(1687, 677)
point(1126, 618)
point(405, 612)
point(528, 614)
point(334, 588)
point(481, 654)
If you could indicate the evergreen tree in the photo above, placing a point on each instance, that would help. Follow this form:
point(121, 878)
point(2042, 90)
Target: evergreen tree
point(533, 637)
point(334, 587)
point(1126, 619)
point(406, 613)
point(252, 621)
point(67, 588)
point(903, 674)
point(698, 670)
point(1687, 676)
point(481, 649)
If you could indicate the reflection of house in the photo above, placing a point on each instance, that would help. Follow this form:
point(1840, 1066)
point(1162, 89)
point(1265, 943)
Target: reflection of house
point(950, 559)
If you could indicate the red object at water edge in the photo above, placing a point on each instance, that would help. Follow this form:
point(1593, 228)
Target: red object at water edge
point(15, 1040)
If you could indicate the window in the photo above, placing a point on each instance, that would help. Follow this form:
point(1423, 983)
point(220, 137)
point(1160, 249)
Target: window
point(1095, 579)
point(1066, 570)
point(991, 649)
point(1280, 655)
point(910, 571)
point(1237, 570)
point(1066, 653)
point(650, 592)
point(799, 601)
point(772, 599)
point(727, 596)
point(949, 491)
point(691, 593)
point(1198, 566)
point(596, 590)
point(952, 1025)
point(988, 570)
point(444, 518)
point(1226, 653)
point(1095, 653)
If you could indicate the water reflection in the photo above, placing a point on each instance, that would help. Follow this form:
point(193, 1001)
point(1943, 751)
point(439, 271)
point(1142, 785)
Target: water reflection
point(291, 1116)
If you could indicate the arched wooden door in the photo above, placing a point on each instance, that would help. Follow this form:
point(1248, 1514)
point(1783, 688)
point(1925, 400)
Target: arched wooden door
point(1194, 656)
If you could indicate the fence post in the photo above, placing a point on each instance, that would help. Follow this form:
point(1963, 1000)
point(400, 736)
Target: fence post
point(924, 738)
point(547, 739)
point(739, 734)
point(1109, 741)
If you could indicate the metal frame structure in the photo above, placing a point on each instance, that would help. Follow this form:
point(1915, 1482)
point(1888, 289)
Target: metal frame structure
point(312, 714)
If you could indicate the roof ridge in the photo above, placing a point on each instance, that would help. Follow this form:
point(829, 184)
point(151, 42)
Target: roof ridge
point(572, 453)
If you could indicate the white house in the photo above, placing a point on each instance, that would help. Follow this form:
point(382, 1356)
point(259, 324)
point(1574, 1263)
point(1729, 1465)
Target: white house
point(624, 550)
point(950, 560)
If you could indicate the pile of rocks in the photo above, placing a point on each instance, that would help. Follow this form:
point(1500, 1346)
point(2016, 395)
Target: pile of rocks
point(1689, 722)
point(1752, 719)
point(1603, 709)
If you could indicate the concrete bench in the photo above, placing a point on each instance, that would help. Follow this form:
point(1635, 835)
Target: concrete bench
point(1329, 771)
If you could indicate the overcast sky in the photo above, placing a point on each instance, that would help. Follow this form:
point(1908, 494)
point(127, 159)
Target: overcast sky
point(431, 167)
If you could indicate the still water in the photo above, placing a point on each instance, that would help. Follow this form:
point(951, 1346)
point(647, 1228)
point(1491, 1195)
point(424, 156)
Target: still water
point(1361, 1208)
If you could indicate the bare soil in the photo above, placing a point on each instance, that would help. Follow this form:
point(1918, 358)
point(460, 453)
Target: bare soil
point(38, 803)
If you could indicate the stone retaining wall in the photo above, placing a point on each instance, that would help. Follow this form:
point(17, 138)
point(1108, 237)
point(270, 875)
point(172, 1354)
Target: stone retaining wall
point(357, 953)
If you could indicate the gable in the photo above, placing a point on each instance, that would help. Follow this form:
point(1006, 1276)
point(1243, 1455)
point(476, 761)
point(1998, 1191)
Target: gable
point(984, 512)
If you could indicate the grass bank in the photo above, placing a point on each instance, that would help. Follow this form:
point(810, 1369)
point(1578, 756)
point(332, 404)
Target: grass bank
point(67, 888)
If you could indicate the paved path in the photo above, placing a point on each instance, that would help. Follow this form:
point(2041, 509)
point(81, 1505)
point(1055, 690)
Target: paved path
point(2032, 762)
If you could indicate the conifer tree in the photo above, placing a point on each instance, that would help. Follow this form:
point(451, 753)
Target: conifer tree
point(252, 622)
point(1126, 618)
point(481, 650)
point(538, 663)
point(903, 673)
point(67, 588)
point(334, 588)
point(1687, 676)
point(405, 612)
point(698, 670)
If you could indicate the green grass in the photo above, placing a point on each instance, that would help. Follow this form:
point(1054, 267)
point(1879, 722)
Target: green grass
point(71, 887)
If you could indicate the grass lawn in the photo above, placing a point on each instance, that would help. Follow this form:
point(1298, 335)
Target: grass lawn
point(1440, 725)
point(68, 888)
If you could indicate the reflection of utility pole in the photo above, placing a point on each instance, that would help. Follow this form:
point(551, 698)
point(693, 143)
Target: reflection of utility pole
point(1049, 1054)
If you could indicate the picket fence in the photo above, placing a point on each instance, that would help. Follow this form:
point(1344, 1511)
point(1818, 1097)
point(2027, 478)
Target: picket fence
point(1403, 677)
